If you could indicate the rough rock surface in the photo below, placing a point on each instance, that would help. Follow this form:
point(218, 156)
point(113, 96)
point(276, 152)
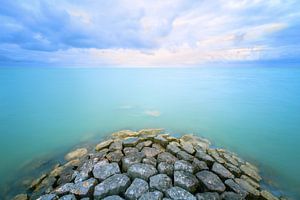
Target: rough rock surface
point(210, 181)
point(141, 170)
point(137, 188)
point(160, 182)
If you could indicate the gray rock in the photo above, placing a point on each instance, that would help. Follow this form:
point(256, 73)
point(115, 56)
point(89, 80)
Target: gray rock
point(221, 171)
point(166, 157)
point(201, 155)
point(130, 141)
point(214, 153)
point(267, 195)
point(187, 146)
point(116, 184)
point(210, 181)
point(103, 144)
point(166, 168)
point(84, 188)
point(250, 181)
point(103, 171)
point(233, 169)
point(78, 153)
point(113, 197)
point(236, 188)
point(172, 148)
point(160, 182)
point(136, 189)
point(250, 172)
point(161, 140)
point(150, 161)
point(158, 146)
point(177, 193)
point(48, 197)
point(116, 145)
point(131, 159)
point(130, 150)
point(64, 189)
point(251, 190)
point(140, 170)
point(182, 155)
point(186, 181)
point(199, 165)
point(208, 196)
point(231, 196)
point(85, 171)
point(155, 195)
point(230, 159)
point(146, 143)
point(150, 151)
point(182, 165)
point(115, 156)
point(21, 197)
point(68, 197)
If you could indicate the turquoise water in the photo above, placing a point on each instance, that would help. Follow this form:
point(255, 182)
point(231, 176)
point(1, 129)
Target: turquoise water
point(254, 111)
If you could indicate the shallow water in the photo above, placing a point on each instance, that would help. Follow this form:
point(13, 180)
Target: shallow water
point(254, 111)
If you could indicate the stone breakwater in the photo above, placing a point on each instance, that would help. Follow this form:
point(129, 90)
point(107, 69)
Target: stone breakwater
point(150, 165)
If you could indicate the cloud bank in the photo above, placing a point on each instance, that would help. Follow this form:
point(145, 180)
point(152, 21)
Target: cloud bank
point(134, 33)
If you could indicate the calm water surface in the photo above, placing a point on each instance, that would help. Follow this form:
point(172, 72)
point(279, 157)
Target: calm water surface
point(254, 111)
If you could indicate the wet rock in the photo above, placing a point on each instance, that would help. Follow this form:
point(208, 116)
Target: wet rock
point(233, 169)
point(103, 145)
point(136, 189)
point(150, 161)
point(131, 159)
point(182, 165)
point(182, 155)
point(21, 197)
point(187, 146)
point(124, 134)
point(115, 156)
point(198, 142)
point(214, 153)
point(130, 150)
point(173, 148)
point(103, 171)
point(116, 145)
point(85, 171)
point(186, 181)
point(161, 140)
point(221, 171)
point(150, 151)
point(160, 182)
point(199, 165)
point(68, 197)
point(113, 197)
point(210, 181)
point(140, 170)
point(141, 145)
point(37, 181)
point(84, 188)
point(64, 189)
point(66, 175)
point(267, 195)
point(230, 159)
point(165, 168)
point(251, 190)
point(130, 141)
point(250, 172)
point(114, 185)
point(48, 197)
point(231, 196)
point(201, 155)
point(236, 188)
point(208, 196)
point(155, 195)
point(166, 157)
point(178, 193)
point(250, 181)
point(78, 153)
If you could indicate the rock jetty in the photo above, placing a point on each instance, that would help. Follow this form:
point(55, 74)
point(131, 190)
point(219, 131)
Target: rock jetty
point(150, 165)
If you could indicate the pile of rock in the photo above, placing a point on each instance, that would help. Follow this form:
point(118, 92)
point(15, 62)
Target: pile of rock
point(150, 165)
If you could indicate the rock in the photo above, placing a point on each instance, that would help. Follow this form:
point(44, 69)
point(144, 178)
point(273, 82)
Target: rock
point(48, 197)
point(166, 157)
point(254, 193)
point(124, 134)
point(155, 195)
point(182, 155)
point(230, 159)
point(131, 159)
point(130, 141)
point(196, 141)
point(267, 195)
point(45, 186)
point(250, 181)
point(158, 146)
point(161, 140)
point(116, 184)
point(210, 181)
point(85, 171)
point(186, 181)
point(116, 145)
point(130, 150)
point(172, 148)
point(178, 193)
point(64, 189)
point(115, 156)
point(78, 153)
point(113, 197)
point(140, 170)
point(84, 188)
point(150, 151)
point(233, 169)
point(231, 196)
point(150, 161)
point(165, 168)
point(68, 197)
point(136, 189)
point(160, 182)
point(208, 196)
point(35, 183)
point(236, 188)
point(103, 145)
point(187, 146)
point(221, 171)
point(250, 172)
point(182, 165)
point(201, 155)
point(199, 165)
point(103, 171)
point(214, 153)
point(146, 143)
point(21, 197)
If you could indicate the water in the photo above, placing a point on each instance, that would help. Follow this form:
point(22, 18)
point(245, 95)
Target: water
point(254, 111)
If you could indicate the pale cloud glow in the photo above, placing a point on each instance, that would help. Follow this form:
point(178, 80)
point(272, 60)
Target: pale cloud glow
point(147, 33)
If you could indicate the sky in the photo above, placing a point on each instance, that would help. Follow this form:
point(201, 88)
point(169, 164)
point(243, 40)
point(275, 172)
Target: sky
point(139, 33)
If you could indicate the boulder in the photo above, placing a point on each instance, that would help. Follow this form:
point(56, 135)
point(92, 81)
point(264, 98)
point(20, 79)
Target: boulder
point(210, 181)
point(267, 195)
point(115, 156)
point(182, 165)
point(182, 155)
point(221, 171)
point(201, 155)
point(131, 159)
point(103, 145)
point(214, 153)
point(233, 169)
point(250, 172)
point(155, 195)
point(199, 165)
point(166, 157)
point(114, 185)
point(130, 150)
point(85, 171)
point(113, 197)
point(130, 141)
point(208, 196)
point(177, 193)
point(64, 189)
point(150, 151)
point(173, 148)
point(78, 153)
point(236, 188)
point(116, 145)
point(187, 146)
point(141, 145)
point(68, 197)
point(166, 168)
point(48, 197)
point(254, 193)
point(161, 140)
point(21, 197)
point(103, 171)
point(84, 188)
point(186, 181)
point(160, 182)
point(231, 196)
point(140, 170)
point(136, 189)
point(124, 134)
point(150, 161)
point(250, 181)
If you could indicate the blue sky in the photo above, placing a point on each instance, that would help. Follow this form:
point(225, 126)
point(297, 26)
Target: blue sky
point(140, 33)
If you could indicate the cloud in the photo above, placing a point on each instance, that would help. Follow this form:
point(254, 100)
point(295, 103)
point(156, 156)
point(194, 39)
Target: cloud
point(147, 33)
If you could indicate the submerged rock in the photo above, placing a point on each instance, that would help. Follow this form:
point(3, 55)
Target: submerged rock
point(78, 153)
